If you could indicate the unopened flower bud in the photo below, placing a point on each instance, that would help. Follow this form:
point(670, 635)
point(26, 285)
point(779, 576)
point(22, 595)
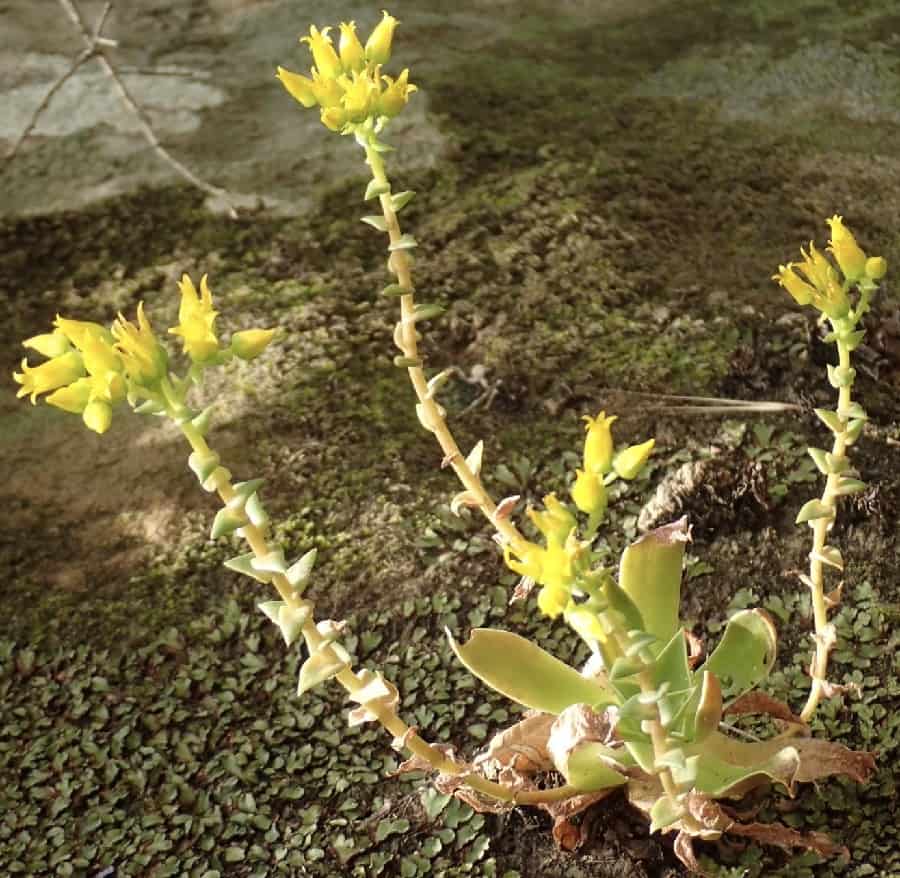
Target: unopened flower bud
point(876, 267)
point(353, 55)
point(334, 118)
point(251, 343)
point(847, 253)
point(326, 59)
point(589, 493)
point(50, 344)
point(97, 416)
point(378, 46)
point(630, 461)
point(73, 397)
point(552, 601)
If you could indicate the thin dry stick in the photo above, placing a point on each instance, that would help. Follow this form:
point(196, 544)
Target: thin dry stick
point(95, 43)
point(45, 102)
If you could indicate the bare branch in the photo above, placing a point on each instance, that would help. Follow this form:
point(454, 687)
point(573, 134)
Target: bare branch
point(45, 102)
point(95, 43)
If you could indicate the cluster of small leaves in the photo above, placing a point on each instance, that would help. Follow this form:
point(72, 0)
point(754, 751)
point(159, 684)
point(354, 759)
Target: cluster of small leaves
point(184, 757)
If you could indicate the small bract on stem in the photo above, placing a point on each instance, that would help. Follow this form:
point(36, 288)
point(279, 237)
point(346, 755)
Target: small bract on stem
point(834, 299)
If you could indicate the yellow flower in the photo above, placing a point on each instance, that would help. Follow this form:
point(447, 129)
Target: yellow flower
point(360, 97)
point(630, 461)
point(378, 46)
point(50, 344)
point(48, 376)
point(395, 97)
point(80, 331)
point(334, 118)
point(353, 55)
point(552, 601)
point(100, 357)
point(97, 416)
point(327, 92)
point(195, 320)
point(73, 397)
point(251, 343)
point(299, 87)
point(556, 522)
point(143, 358)
point(530, 561)
point(847, 253)
point(830, 296)
point(799, 289)
point(324, 56)
point(558, 571)
point(589, 493)
point(598, 445)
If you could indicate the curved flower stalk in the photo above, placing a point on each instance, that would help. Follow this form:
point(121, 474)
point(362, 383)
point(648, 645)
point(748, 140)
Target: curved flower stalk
point(843, 303)
point(91, 368)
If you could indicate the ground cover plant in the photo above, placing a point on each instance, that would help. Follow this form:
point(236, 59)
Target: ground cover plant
point(549, 563)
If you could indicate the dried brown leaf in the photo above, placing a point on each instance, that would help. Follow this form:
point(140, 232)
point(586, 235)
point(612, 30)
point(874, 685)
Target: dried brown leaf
point(522, 747)
point(760, 702)
point(578, 724)
point(695, 649)
point(780, 836)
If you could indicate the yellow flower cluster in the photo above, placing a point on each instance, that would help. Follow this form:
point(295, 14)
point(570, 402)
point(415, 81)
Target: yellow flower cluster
point(557, 565)
point(347, 82)
point(819, 284)
point(90, 368)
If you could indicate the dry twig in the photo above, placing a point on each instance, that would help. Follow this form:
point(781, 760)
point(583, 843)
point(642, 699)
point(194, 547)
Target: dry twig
point(95, 45)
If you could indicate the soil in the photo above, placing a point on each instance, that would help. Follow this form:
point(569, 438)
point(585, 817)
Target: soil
point(603, 194)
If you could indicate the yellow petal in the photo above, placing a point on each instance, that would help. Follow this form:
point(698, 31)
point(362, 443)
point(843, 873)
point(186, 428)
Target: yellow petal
point(299, 87)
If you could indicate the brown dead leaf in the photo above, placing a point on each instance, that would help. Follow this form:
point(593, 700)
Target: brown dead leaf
point(780, 836)
point(522, 747)
point(684, 850)
point(759, 702)
point(567, 835)
point(695, 649)
point(523, 588)
point(578, 724)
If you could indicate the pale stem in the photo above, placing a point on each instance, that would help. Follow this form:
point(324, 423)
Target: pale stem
point(821, 526)
point(400, 263)
point(348, 678)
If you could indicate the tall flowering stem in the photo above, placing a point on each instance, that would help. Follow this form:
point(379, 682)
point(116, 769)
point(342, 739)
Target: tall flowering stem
point(204, 460)
point(626, 465)
point(843, 303)
point(431, 414)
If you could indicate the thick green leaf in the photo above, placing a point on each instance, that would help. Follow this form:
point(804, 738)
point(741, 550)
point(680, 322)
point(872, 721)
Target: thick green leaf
point(650, 574)
point(721, 779)
point(527, 674)
point(593, 766)
point(745, 654)
point(664, 813)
